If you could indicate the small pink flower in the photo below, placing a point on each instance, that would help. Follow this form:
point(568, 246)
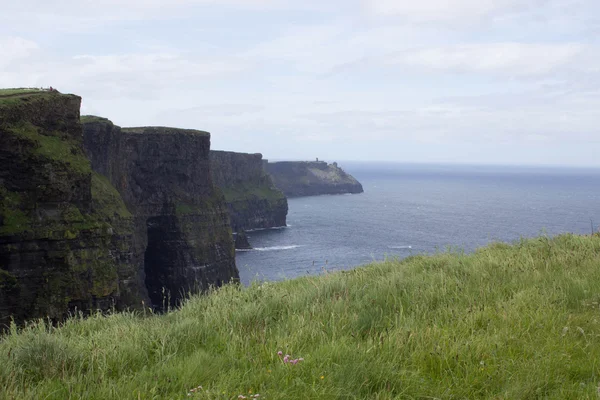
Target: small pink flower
point(280, 353)
point(294, 362)
point(286, 359)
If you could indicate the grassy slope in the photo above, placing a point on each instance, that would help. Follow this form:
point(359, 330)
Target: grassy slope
point(505, 323)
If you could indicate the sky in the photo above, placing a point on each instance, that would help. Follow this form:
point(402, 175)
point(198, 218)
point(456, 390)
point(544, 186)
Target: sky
point(509, 82)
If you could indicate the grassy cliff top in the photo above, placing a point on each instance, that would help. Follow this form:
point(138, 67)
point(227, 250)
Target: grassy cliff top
point(86, 119)
point(162, 130)
point(20, 91)
point(507, 322)
point(12, 97)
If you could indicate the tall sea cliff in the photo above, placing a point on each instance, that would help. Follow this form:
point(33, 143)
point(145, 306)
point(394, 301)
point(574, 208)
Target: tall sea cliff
point(142, 223)
point(181, 219)
point(66, 237)
point(252, 199)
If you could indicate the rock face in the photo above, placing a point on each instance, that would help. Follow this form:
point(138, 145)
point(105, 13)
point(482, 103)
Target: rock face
point(241, 241)
point(305, 178)
point(66, 236)
point(252, 198)
point(181, 220)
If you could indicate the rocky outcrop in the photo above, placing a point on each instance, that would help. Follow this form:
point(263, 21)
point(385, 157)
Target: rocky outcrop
point(65, 233)
point(252, 198)
point(182, 224)
point(241, 241)
point(303, 178)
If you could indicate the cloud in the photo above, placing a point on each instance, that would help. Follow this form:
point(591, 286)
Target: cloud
point(15, 49)
point(516, 59)
point(447, 10)
point(277, 76)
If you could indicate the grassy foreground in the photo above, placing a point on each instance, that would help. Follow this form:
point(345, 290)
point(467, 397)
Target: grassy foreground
point(508, 322)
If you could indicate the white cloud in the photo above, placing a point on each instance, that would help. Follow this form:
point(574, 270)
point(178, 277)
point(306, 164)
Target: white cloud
point(515, 59)
point(15, 49)
point(431, 72)
point(446, 10)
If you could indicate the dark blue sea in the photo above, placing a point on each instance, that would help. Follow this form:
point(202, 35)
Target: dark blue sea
point(416, 209)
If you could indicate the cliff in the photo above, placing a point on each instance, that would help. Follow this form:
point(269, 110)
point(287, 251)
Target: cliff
point(182, 224)
point(65, 234)
point(252, 198)
point(304, 178)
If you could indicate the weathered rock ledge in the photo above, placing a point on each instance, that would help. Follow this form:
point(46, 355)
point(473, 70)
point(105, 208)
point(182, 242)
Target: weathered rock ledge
point(310, 178)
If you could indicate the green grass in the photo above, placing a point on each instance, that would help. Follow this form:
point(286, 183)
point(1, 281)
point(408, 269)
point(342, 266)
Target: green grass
point(107, 200)
point(507, 322)
point(14, 97)
point(243, 193)
point(19, 91)
point(163, 130)
point(86, 119)
point(55, 148)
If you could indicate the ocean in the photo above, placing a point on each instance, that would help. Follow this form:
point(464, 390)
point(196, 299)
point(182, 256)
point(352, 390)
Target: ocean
point(422, 209)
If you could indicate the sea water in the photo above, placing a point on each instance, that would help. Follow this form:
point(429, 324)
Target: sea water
point(416, 209)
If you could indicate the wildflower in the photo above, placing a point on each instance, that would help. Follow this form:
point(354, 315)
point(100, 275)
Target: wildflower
point(322, 377)
point(280, 353)
point(286, 359)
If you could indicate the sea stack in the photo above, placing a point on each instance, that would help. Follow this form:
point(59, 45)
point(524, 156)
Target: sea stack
point(241, 241)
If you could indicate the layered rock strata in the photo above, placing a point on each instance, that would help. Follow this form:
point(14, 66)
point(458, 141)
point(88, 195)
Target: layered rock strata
point(66, 237)
point(252, 199)
point(305, 178)
point(181, 219)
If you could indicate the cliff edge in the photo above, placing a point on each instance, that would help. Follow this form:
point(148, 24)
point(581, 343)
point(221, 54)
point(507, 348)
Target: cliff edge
point(65, 233)
point(306, 178)
point(181, 219)
point(252, 199)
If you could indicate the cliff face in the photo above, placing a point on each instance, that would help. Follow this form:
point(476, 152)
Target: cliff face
point(304, 178)
point(182, 225)
point(252, 198)
point(65, 234)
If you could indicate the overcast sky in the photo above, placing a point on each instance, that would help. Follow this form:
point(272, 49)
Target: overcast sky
point(459, 81)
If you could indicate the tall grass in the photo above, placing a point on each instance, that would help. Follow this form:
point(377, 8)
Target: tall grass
point(507, 322)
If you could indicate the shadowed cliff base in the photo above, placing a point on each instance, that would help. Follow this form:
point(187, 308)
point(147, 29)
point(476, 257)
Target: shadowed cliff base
point(311, 178)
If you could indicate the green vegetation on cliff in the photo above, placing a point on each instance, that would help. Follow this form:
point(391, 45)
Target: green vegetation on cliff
point(55, 147)
point(87, 119)
point(507, 322)
point(107, 200)
point(19, 92)
point(242, 193)
point(64, 230)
